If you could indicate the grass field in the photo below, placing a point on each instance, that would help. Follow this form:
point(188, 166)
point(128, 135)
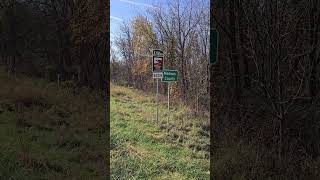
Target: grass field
point(145, 149)
point(58, 133)
point(50, 133)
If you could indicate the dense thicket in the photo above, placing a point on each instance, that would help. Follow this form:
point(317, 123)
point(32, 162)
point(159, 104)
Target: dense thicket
point(51, 38)
point(181, 30)
point(265, 89)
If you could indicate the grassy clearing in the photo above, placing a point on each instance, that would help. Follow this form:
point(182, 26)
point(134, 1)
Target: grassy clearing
point(50, 133)
point(143, 149)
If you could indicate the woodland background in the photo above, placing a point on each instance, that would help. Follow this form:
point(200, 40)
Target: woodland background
point(47, 38)
point(181, 30)
point(54, 103)
point(265, 89)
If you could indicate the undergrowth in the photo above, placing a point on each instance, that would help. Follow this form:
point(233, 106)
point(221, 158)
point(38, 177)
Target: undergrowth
point(48, 132)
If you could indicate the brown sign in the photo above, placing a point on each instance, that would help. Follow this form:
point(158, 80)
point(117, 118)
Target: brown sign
point(157, 64)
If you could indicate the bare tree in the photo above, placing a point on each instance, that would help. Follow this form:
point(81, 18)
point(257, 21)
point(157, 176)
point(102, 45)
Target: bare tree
point(272, 62)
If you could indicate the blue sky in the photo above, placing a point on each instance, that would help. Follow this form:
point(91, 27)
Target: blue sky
point(124, 10)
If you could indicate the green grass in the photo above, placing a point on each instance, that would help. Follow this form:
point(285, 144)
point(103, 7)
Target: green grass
point(58, 134)
point(145, 149)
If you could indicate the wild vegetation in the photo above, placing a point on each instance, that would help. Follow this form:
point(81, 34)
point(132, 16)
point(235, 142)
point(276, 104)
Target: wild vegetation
point(142, 148)
point(181, 30)
point(48, 132)
point(54, 70)
point(265, 90)
point(56, 39)
point(174, 148)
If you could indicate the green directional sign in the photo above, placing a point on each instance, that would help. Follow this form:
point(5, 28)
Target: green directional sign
point(214, 38)
point(169, 75)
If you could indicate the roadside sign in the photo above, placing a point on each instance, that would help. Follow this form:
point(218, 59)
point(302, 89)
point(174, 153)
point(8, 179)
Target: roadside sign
point(157, 75)
point(157, 64)
point(157, 53)
point(170, 75)
point(214, 40)
point(157, 67)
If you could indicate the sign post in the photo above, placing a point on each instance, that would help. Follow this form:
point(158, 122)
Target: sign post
point(169, 76)
point(168, 102)
point(157, 67)
point(157, 100)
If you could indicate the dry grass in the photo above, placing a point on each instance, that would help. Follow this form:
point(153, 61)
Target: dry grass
point(145, 149)
point(137, 151)
point(47, 129)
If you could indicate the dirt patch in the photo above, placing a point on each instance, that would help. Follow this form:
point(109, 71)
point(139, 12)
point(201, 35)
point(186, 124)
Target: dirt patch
point(119, 93)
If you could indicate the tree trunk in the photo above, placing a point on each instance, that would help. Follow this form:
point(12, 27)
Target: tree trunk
point(312, 57)
point(235, 60)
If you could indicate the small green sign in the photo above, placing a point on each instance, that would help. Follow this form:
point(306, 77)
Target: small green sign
point(169, 75)
point(157, 53)
point(214, 38)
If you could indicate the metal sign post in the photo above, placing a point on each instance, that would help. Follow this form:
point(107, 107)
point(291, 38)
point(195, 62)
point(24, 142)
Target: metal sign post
point(157, 100)
point(169, 76)
point(157, 67)
point(168, 103)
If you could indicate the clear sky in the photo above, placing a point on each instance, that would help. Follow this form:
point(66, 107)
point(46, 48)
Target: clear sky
point(124, 10)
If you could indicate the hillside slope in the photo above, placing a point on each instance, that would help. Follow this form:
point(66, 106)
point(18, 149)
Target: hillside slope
point(48, 132)
point(143, 149)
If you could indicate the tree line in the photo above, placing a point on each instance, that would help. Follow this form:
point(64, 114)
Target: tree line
point(181, 30)
point(265, 89)
point(51, 38)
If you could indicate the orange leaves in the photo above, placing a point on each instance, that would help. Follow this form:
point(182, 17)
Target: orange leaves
point(145, 67)
point(141, 72)
point(143, 35)
point(143, 40)
point(141, 68)
point(175, 91)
